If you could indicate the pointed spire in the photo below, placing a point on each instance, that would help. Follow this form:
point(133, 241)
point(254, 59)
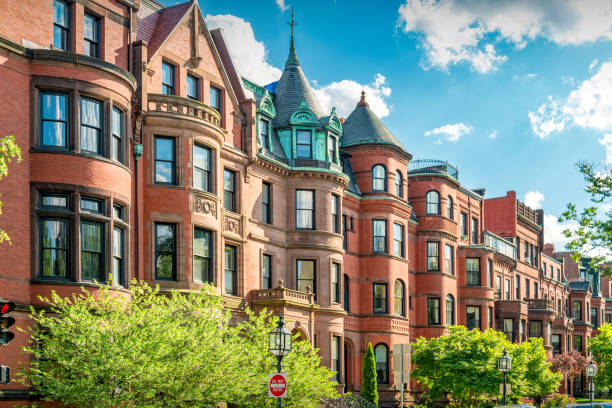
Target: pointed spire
point(363, 102)
point(292, 59)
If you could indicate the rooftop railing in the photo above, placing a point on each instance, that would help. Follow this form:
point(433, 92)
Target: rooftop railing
point(433, 166)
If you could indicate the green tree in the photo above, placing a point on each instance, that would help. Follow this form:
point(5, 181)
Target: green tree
point(369, 388)
point(151, 350)
point(593, 231)
point(8, 151)
point(463, 364)
point(601, 348)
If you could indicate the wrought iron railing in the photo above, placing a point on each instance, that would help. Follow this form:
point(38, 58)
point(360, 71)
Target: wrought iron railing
point(433, 166)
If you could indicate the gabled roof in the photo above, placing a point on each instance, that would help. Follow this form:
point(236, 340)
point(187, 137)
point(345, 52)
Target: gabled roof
point(292, 89)
point(363, 126)
point(156, 27)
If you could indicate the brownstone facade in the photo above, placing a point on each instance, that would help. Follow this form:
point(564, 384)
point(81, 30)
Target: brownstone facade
point(145, 158)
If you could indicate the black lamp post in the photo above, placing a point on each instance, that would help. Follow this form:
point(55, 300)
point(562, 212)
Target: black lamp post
point(279, 344)
point(504, 364)
point(591, 371)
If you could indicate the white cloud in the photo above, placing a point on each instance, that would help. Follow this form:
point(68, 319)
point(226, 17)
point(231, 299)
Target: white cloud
point(450, 133)
point(529, 75)
point(553, 232)
point(593, 64)
point(588, 106)
point(568, 80)
point(469, 31)
point(534, 199)
point(281, 5)
point(249, 55)
point(344, 95)
point(493, 135)
point(606, 142)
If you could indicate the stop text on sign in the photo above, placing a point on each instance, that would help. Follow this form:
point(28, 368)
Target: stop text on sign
point(277, 385)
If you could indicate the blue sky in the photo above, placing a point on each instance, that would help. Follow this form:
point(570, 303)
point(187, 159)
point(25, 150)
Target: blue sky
point(454, 80)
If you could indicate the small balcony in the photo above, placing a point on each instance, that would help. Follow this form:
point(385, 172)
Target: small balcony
point(501, 245)
point(282, 295)
point(177, 106)
point(432, 166)
point(541, 304)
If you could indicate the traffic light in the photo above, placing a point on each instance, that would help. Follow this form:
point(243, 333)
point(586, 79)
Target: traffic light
point(5, 375)
point(6, 321)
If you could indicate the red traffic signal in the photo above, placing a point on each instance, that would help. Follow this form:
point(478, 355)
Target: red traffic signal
point(6, 307)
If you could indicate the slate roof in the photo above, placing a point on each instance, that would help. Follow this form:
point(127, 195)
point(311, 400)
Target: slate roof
point(157, 26)
point(581, 285)
point(348, 170)
point(363, 126)
point(291, 90)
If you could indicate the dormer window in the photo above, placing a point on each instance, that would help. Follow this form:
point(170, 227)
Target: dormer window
point(264, 129)
point(331, 147)
point(303, 144)
point(379, 178)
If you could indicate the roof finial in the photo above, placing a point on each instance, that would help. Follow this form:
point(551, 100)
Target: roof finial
point(292, 59)
point(363, 102)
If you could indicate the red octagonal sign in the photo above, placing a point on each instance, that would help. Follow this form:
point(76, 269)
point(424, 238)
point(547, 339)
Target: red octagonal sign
point(277, 385)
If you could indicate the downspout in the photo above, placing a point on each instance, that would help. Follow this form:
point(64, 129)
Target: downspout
point(130, 49)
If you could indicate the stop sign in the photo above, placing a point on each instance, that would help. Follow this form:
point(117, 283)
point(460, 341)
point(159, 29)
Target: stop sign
point(277, 385)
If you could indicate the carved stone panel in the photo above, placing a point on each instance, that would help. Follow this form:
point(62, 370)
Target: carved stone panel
point(232, 224)
point(206, 206)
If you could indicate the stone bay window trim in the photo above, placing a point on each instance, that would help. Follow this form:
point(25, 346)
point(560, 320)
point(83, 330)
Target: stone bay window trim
point(230, 202)
point(202, 167)
point(306, 275)
point(266, 202)
point(91, 35)
point(399, 298)
point(165, 251)
point(379, 236)
point(433, 256)
point(80, 237)
point(433, 311)
point(62, 23)
point(379, 296)
point(266, 271)
point(472, 271)
point(63, 102)
point(472, 314)
point(432, 199)
point(203, 255)
point(335, 213)
point(379, 178)
point(399, 184)
point(449, 259)
point(169, 79)
point(335, 281)
point(305, 209)
point(399, 248)
point(230, 266)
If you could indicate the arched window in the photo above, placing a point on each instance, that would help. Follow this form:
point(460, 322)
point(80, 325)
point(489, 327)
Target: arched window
point(379, 178)
point(381, 356)
point(433, 202)
point(450, 310)
point(399, 184)
point(449, 208)
point(399, 307)
point(346, 292)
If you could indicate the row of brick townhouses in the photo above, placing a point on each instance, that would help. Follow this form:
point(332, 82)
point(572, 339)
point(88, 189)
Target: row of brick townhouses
point(148, 156)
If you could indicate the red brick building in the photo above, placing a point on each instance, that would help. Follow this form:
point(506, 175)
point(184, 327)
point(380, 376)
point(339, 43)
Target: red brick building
point(147, 156)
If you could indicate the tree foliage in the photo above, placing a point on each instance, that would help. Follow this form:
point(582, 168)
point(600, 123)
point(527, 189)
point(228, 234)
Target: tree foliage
point(601, 348)
point(151, 350)
point(463, 365)
point(593, 232)
point(8, 151)
point(369, 390)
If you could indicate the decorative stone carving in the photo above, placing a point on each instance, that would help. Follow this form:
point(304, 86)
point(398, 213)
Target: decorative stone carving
point(232, 223)
point(205, 206)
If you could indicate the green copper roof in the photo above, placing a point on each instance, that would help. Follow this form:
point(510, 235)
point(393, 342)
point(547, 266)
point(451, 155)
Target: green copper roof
point(363, 126)
point(293, 89)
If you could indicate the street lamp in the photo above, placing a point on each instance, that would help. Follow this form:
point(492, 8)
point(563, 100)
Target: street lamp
point(591, 371)
point(504, 364)
point(279, 345)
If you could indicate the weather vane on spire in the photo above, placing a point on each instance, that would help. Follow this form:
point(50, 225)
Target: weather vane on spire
point(292, 23)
